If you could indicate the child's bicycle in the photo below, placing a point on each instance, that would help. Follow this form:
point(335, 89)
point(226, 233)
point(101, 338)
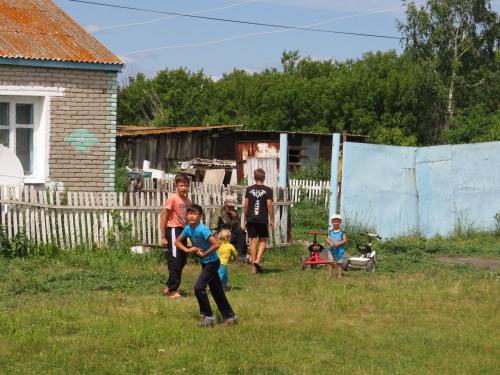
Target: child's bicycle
point(367, 258)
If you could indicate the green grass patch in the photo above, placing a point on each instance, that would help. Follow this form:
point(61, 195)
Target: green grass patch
point(99, 312)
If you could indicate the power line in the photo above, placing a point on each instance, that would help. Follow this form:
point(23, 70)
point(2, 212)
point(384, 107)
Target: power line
point(172, 17)
point(236, 21)
point(242, 36)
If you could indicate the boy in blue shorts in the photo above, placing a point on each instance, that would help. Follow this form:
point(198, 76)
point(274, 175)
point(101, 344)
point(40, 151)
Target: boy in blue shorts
point(337, 240)
point(205, 246)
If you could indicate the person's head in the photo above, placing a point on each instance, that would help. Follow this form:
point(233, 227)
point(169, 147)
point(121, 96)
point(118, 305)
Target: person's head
point(194, 214)
point(229, 203)
point(225, 235)
point(336, 221)
point(182, 183)
point(259, 175)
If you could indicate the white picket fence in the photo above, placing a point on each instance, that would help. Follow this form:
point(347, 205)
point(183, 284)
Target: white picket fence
point(84, 218)
point(316, 191)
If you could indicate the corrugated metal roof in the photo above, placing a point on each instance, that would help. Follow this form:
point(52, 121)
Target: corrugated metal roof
point(132, 130)
point(39, 30)
point(293, 132)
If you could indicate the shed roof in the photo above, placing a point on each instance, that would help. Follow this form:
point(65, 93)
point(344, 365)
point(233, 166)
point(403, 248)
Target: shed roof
point(40, 30)
point(133, 130)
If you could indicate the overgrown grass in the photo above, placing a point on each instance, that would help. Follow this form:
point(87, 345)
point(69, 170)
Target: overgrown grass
point(101, 312)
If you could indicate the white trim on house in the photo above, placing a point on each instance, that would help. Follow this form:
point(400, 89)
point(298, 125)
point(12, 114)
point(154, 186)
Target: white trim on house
point(32, 90)
point(39, 96)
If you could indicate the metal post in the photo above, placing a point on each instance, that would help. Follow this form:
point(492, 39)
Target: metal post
point(283, 172)
point(334, 171)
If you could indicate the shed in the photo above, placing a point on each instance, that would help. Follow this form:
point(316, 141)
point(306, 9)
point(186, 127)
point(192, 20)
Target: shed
point(165, 147)
point(58, 92)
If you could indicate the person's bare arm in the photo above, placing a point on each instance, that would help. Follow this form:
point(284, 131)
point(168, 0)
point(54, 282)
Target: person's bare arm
point(211, 249)
point(165, 214)
point(245, 213)
point(270, 211)
point(180, 245)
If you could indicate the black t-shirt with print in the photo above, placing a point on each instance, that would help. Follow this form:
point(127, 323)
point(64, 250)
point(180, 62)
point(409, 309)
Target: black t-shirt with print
point(257, 203)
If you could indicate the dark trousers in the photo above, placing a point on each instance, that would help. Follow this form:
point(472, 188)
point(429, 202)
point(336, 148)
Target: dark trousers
point(210, 276)
point(176, 260)
point(239, 241)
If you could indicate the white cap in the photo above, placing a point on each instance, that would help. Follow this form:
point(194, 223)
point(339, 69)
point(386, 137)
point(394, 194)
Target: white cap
point(336, 216)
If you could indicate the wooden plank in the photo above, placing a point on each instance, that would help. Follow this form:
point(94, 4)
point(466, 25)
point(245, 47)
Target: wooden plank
point(70, 214)
point(88, 215)
point(149, 224)
point(143, 217)
point(76, 218)
point(60, 232)
point(81, 219)
point(131, 215)
point(53, 222)
point(95, 220)
point(43, 233)
point(104, 218)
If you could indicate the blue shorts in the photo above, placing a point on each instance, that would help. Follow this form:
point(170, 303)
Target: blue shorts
point(336, 254)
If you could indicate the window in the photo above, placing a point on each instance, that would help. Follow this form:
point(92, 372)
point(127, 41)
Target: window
point(18, 128)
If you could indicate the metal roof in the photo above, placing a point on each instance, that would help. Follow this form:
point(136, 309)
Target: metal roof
point(39, 30)
point(294, 132)
point(133, 130)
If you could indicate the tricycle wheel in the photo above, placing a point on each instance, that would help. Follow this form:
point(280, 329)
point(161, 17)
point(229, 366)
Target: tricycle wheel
point(370, 266)
point(346, 266)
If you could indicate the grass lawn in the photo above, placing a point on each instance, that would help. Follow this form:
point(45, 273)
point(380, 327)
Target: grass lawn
point(102, 313)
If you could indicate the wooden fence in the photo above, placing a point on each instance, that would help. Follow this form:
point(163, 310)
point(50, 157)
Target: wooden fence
point(316, 191)
point(70, 219)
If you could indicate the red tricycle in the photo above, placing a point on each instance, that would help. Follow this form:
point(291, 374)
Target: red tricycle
point(316, 253)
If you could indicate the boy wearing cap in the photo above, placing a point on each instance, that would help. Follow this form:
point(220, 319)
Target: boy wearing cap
point(337, 240)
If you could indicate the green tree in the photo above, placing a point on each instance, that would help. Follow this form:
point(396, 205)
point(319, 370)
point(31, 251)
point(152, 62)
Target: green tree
point(459, 39)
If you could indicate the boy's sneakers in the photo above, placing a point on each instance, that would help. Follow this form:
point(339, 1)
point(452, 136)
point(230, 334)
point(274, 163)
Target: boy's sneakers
point(207, 321)
point(230, 321)
point(227, 288)
point(175, 295)
point(166, 291)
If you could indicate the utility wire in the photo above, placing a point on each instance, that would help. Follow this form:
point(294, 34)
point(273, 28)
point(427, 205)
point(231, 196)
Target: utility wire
point(171, 17)
point(235, 37)
point(236, 21)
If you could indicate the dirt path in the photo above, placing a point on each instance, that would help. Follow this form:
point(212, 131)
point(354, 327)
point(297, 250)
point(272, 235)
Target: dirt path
point(479, 262)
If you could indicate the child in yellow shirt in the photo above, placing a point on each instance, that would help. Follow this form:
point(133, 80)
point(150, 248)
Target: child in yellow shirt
point(227, 253)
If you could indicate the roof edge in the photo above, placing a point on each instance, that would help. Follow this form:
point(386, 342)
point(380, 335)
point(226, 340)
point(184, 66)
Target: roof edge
point(60, 64)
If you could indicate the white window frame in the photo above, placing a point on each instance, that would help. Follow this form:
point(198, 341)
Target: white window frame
point(40, 97)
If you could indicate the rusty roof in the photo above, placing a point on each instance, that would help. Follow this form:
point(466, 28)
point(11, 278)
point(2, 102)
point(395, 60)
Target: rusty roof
point(39, 30)
point(298, 132)
point(133, 130)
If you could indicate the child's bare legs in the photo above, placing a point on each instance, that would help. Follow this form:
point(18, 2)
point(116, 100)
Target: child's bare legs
point(253, 252)
point(262, 248)
point(330, 268)
point(339, 270)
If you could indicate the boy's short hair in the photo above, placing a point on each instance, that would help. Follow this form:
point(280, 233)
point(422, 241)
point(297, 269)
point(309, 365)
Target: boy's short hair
point(225, 235)
point(195, 208)
point(259, 175)
point(181, 177)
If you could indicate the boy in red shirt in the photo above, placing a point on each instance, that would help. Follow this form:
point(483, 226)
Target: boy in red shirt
point(172, 222)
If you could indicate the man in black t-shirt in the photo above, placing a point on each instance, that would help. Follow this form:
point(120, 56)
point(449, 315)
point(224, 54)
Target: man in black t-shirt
point(259, 217)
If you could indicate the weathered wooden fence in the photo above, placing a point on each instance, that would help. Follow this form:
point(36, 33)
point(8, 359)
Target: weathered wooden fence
point(316, 191)
point(70, 219)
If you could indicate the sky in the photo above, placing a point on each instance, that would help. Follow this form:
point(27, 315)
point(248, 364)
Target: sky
point(149, 42)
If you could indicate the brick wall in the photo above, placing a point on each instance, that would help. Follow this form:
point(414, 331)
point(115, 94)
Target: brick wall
point(82, 123)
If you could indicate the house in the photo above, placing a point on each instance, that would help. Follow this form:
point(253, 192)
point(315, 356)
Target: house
point(58, 92)
point(165, 147)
